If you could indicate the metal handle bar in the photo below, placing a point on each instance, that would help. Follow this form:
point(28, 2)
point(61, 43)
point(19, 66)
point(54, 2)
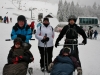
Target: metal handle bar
point(11, 39)
point(70, 44)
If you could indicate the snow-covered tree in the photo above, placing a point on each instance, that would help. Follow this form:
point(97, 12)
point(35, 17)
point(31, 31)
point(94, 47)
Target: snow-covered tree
point(60, 13)
point(65, 11)
point(95, 6)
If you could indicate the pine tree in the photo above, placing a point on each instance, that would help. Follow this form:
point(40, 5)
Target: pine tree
point(65, 11)
point(60, 13)
point(94, 6)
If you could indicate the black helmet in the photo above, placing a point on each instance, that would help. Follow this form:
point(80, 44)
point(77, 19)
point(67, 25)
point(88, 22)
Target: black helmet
point(21, 18)
point(18, 40)
point(72, 17)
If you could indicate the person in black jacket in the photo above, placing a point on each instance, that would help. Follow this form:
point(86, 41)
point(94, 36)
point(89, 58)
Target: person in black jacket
point(71, 31)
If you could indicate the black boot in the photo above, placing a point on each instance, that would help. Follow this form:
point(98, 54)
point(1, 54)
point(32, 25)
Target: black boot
point(42, 69)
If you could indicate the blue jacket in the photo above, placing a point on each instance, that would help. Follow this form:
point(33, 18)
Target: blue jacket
point(5, 18)
point(63, 66)
point(24, 31)
point(95, 33)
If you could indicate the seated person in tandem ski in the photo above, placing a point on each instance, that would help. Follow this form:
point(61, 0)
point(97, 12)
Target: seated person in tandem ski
point(18, 59)
point(64, 64)
point(21, 30)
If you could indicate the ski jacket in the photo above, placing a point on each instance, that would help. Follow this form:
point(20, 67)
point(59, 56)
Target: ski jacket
point(27, 55)
point(64, 30)
point(40, 33)
point(32, 25)
point(63, 66)
point(5, 18)
point(95, 33)
point(23, 31)
point(39, 24)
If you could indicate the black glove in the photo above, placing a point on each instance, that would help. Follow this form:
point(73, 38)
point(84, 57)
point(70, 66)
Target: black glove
point(45, 40)
point(56, 44)
point(23, 37)
point(84, 41)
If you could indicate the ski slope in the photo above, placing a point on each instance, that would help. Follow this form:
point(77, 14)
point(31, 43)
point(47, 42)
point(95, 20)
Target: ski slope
point(89, 54)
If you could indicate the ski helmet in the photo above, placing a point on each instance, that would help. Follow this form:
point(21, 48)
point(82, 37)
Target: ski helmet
point(21, 18)
point(18, 40)
point(72, 17)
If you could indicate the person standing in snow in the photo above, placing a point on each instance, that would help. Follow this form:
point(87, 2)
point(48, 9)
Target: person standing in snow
point(21, 30)
point(5, 19)
point(71, 32)
point(95, 34)
point(45, 36)
point(10, 19)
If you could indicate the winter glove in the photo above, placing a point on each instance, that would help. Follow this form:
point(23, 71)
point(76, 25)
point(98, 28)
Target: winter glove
point(45, 40)
point(50, 66)
point(15, 60)
point(84, 41)
point(24, 58)
point(23, 37)
point(79, 71)
point(56, 44)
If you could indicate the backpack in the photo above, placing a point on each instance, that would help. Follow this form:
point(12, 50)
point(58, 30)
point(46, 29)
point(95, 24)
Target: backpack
point(40, 29)
point(71, 33)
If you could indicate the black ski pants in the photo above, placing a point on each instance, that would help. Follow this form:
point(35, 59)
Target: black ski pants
point(48, 55)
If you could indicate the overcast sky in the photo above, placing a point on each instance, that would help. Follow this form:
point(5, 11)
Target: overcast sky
point(81, 2)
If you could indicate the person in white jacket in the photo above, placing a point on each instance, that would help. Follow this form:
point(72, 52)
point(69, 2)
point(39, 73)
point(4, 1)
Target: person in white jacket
point(45, 36)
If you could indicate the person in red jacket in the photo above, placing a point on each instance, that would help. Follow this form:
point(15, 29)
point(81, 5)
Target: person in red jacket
point(32, 26)
point(7, 19)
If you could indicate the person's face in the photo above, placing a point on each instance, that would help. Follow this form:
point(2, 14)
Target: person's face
point(72, 22)
point(45, 22)
point(65, 54)
point(21, 23)
point(17, 45)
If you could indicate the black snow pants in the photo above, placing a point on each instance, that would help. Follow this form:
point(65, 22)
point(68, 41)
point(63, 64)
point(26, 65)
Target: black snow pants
point(48, 51)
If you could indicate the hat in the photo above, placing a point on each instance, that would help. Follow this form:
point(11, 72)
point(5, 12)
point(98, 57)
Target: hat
point(17, 41)
point(46, 19)
point(66, 50)
point(21, 18)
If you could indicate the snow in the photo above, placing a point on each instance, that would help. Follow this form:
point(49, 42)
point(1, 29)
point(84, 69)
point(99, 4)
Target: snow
point(89, 54)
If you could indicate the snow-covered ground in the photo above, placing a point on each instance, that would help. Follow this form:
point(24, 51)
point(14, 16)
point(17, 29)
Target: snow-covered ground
point(89, 54)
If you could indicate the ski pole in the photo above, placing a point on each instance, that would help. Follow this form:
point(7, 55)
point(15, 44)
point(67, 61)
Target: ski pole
point(47, 56)
point(44, 53)
point(44, 58)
